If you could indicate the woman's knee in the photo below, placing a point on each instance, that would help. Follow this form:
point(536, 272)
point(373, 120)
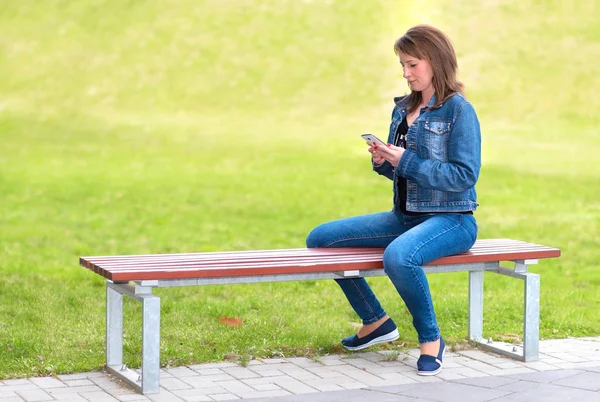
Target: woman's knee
point(318, 237)
point(397, 262)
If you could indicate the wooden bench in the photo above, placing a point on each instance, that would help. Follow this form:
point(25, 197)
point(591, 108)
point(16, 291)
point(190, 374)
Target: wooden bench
point(136, 275)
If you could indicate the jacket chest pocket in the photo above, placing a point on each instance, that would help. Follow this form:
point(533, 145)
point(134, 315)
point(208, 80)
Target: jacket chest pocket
point(437, 134)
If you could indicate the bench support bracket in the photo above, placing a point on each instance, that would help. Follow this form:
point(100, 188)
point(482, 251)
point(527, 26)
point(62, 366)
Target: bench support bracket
point(147, 382)
point(529, 350)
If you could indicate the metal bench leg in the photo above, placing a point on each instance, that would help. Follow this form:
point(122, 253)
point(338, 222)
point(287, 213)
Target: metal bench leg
point(150, 344)
point(114, 327)
point(149, 380)
point(531, 319)
point(476, 305)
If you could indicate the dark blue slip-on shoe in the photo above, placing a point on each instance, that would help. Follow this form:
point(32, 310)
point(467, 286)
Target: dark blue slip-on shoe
point(387, 332)
point(431, 365)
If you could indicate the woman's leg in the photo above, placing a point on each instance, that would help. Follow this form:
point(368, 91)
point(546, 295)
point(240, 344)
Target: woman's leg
point(374, 230)
point(430, 238)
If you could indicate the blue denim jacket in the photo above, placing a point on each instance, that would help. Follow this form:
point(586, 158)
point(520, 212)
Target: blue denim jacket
point(442, 158)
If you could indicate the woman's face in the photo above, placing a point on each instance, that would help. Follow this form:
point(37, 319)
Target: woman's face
point(417, 72)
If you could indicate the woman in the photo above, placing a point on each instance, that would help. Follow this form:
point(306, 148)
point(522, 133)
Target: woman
point(433, 157)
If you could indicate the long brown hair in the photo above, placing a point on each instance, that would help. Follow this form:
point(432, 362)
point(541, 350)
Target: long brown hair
point(428, 43)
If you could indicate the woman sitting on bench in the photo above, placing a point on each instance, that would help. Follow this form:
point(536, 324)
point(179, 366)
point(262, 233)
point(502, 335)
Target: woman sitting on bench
point(433, 157)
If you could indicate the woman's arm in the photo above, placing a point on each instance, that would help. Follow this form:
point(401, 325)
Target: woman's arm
point(461, 171)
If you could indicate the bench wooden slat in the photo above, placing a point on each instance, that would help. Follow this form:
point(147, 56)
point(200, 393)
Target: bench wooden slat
point(241, 257)
point(289, 261)
point(306, 253)
point(292, 253)
point(376, 254)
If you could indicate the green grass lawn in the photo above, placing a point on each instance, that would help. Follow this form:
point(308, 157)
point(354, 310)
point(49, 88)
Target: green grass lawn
point(183, 126)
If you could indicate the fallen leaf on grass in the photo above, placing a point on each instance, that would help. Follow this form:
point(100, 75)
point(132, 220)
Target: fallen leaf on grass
point(231, 322)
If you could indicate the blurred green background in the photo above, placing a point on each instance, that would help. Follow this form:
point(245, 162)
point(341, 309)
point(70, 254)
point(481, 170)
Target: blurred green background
point(132, 127)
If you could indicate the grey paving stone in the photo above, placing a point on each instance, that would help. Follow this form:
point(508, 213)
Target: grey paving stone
point(124, 390)
point(34, 395)
point(131, 397)
point(201, 391)
point(7, 394)
point(397, 368)
point(73, 390)
point(70, 398)
point(568, 357)
point(266, 387)
point(303, 362)
point(47, 382)
point(209, 371)
point(192, 396)
point(585, 380)
point(12, 399)
point(454, 392)
point(324, 385)
point(518, 370)
point(235, 387)
point(276, 366)
point(396, 379)
point(267, 394)
point(23, 381)
point(362, 363)
point(240, 372)
point(553, 393)
point(173, 384)
point(212, 365)
point(360, 375)
point(450, 374)
point(545, 376)
point(21, 387)
point(539, 366)
point(77, 383)
point(300, 374)
point(332, 362)
point(264, 380)
point(353, 385)
point(95, 374)
point(295, 386)
point(98, 397)
point(481, 367)
point(486, 382)
point(105, 382)
point(345, 396)
point(420, 378)
point(181, 372)
point(223, 397)
point(70, 377)
point(396, 389)
point(520, 386)
point(164, 396)
point(206, 381)
point(269, 373)
point(273, 361)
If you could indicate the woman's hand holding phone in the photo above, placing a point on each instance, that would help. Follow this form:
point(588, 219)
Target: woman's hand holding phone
point(381, 152)
point(390, 153)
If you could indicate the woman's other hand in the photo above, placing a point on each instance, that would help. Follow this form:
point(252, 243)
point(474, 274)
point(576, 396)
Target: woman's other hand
point(375, 156)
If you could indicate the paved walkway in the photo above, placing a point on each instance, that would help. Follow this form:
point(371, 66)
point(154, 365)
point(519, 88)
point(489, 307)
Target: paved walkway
point(568, 369)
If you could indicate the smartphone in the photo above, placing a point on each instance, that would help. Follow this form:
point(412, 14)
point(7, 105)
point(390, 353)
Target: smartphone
point(372, 140)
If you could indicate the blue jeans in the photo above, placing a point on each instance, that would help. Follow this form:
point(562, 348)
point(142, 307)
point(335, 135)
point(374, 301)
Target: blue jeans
point(410, 242)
